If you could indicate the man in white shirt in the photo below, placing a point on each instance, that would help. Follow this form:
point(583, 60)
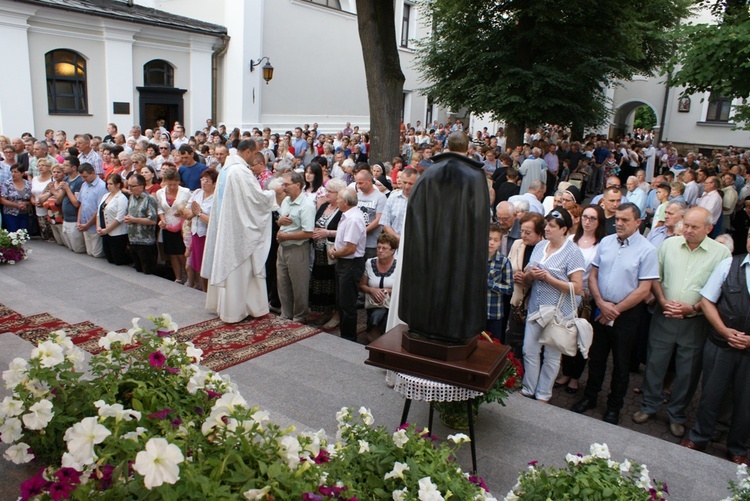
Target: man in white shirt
point(711, 201)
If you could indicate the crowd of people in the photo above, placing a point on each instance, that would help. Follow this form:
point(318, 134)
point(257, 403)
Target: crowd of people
point(649, 242)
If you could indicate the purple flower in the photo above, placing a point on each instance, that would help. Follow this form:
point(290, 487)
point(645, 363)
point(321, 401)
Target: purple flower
point(60, 490)
point(198, 410)
point(176, 422)
point(479, 481)
point(310, 496)
point(163, 333)
point(34, 486)
point(213, 394)
point(171, 369)
point(157, 359)
point(403, 427)
point(162, 414)
point(664, 488)
point(331, 491)
point(68, 475)
point(322, 457)
point(533, 463)
point(105, 476)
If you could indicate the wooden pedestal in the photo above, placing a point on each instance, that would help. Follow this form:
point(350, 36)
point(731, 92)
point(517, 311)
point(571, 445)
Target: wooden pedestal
point(479, 371)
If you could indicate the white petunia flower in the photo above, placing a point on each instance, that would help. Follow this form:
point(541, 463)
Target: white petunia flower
point(459, 438)
point(400, 438)
point(363, 446)
point(261, 417)
point(62, 339)
point(257, 494)
point(197, 379)
point(572, 459)
point(343, 415)
point(135, 435)
point(11, 430)
point(125, 338)
point(69, 462)
point(40, 414)
point(599, 451)
point(49, 354)
point(229, 403)
point(290, 450)
point(77, 357)
point(10, 407)
point(366, 416)
point(116, 411)
point(18, 454)
point(399, 494)
point(428, 491)
point(39, 389)
point(511, 496)
point(16, 374)
point(158, 463)
point(397, 471)
point(625, 466)
point(170, 325)
point(81, 438)
point(193, 352)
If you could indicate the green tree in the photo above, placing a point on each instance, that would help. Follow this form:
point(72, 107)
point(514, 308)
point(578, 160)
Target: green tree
point(716, 57)
point(530, 62)
point(645, 118)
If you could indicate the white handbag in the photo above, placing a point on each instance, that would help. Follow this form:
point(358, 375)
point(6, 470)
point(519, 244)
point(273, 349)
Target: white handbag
point(560, 333)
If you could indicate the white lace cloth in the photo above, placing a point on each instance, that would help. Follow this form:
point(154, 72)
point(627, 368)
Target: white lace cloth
point(416, 388)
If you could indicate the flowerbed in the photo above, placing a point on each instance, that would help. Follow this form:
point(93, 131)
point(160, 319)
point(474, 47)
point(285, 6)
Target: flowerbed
point(11, 246)
point(147, 422)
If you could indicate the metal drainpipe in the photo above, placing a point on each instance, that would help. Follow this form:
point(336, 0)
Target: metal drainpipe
point(664, 108)
point(215, 55)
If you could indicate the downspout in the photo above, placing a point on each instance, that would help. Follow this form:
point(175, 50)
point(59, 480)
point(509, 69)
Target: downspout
point(664, 108)
point(215, 55)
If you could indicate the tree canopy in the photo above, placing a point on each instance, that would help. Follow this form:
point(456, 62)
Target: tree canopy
point(530, 62)
point(716, 57)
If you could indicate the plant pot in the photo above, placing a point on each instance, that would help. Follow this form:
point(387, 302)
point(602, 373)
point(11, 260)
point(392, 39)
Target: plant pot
point(454, 415)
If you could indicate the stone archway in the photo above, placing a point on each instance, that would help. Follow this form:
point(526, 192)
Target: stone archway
point(623, 118)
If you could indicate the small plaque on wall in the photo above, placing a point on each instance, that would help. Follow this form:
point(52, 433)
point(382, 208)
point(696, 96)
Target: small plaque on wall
point(121, 108)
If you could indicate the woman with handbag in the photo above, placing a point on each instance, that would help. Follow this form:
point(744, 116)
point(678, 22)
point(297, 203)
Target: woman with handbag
point(554, 265)
point(587, 237)
point(322, 296)
point(377, 284)
point(532, 232)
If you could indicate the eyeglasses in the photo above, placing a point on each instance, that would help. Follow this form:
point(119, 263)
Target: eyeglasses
point(589, 218)
point(163, 147)
point(527, 232)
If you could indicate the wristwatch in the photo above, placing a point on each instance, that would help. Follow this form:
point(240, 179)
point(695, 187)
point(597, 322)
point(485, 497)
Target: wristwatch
point(695, 310)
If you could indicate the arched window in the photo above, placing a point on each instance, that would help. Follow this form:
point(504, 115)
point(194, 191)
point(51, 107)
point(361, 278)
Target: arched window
point(158, 73)
point(66, 82)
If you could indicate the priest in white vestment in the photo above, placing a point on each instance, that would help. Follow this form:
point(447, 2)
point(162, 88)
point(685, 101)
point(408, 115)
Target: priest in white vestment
point(237, 241)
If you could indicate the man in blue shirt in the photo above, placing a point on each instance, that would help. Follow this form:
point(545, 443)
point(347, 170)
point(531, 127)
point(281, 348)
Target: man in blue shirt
point(92, 191)
point(623, 271)
point(299, 143)
point(190, 171)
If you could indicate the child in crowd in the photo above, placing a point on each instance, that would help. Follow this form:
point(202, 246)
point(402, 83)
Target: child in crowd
point(662, 195)
point(499, 282)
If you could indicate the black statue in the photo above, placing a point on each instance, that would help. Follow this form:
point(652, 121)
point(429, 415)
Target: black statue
point(443, 295)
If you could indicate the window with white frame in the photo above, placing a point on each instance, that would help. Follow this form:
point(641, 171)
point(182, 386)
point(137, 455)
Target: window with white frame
point(406, 21)
point(66, 82)
point(718, 108)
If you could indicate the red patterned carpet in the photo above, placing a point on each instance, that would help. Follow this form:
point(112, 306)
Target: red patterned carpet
point(223, 345)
